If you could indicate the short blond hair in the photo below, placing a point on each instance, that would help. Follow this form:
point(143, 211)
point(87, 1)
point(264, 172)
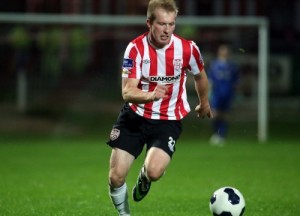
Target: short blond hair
point(168, 5)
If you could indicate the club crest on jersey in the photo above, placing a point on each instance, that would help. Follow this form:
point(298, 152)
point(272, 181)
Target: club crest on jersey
point(177, 64)
point(114, 134)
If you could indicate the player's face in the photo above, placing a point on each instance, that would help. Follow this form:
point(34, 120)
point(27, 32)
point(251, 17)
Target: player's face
point(162, 28)
point(223, 52)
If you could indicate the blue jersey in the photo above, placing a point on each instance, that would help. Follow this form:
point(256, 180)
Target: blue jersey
point(223, 77)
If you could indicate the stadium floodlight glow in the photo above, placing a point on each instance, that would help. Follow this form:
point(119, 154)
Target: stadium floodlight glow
point(261, 23)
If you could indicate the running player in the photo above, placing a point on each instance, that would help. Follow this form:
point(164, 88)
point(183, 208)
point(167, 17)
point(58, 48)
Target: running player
point(154, 73)
point(223, 76)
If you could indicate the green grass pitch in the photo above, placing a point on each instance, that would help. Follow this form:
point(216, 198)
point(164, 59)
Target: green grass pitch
point(42, 176)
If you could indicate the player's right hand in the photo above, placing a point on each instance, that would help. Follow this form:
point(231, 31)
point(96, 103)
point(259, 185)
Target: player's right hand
point(160, 91)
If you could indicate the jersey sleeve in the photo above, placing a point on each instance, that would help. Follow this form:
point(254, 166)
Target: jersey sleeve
point(131, 67)
point(196, 61)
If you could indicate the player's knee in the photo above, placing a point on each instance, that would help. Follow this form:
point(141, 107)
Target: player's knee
point(116, 180)
point(154, 174)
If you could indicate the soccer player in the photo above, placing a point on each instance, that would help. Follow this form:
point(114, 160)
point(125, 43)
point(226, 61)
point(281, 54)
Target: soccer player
point(223, 77)
point(154, 73)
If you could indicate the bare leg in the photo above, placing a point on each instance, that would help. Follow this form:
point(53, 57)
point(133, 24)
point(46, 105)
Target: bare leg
point(156, 163)
point(120, 163)
point(154, 167)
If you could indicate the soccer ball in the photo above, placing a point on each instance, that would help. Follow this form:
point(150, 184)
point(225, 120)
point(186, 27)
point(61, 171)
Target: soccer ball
point(227, 201)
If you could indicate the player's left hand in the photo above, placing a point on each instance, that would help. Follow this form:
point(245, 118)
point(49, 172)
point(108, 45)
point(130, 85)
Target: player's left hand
point(203, 110)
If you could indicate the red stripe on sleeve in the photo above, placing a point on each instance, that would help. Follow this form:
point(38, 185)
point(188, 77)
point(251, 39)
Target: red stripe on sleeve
point(132, 55)
point(198, 58)
point(140, 47)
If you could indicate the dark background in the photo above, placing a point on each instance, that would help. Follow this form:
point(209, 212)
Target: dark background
point(73, 78)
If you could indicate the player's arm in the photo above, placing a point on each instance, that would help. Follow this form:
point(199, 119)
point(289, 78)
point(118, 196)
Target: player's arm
point(202, 89)
point(131, 93)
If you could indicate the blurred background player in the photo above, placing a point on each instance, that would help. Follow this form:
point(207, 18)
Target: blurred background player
point(223, 77)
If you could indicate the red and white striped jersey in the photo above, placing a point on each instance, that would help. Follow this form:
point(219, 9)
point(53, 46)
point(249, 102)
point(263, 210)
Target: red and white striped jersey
point(165, 66)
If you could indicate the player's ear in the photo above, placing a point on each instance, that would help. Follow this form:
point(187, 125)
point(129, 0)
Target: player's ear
point(148, 23)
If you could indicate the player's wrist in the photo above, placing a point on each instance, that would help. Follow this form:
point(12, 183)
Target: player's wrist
point(203, 99)
point(150, 97)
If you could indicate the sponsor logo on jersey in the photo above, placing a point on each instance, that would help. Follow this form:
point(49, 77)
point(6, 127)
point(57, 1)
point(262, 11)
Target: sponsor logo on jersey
point(165, 79)
point(114, 134)
point(127, 63)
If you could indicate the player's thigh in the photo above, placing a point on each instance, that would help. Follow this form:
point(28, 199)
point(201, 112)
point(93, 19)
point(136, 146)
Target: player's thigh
point(216, 102)
point(156, 162)
point(120, 163)
point(161, 145)
point(164, 135)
